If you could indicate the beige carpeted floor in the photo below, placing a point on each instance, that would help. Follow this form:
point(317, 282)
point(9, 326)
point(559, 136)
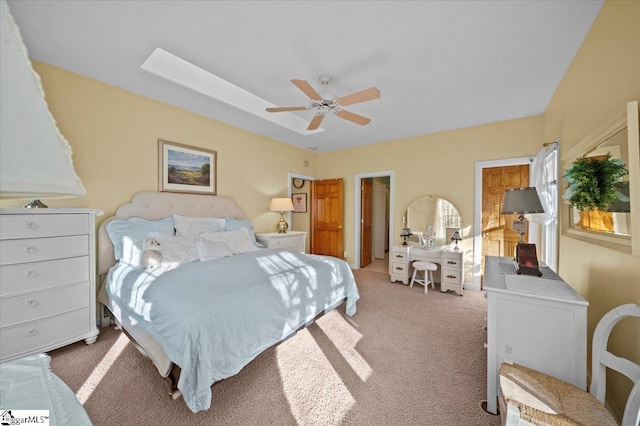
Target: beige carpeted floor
point(404, 358)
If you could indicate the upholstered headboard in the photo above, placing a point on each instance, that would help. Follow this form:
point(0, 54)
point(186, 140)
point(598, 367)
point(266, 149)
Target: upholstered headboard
point(158, 205)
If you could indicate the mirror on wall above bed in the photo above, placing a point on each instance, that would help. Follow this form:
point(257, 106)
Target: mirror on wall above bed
point(613, 150)
point(434, 211)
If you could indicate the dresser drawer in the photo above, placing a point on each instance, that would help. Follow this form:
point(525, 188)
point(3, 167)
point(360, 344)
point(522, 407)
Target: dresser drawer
point(35, 250)
point(23, 277)
point(41, 225)
point(284, 242)
point(400, 268)
point(399, 256)
point(46, 333)
point(451, 275)
point(40, 304)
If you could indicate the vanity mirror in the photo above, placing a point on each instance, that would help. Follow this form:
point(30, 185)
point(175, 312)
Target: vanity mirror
point(433, 213)
point(614, 141)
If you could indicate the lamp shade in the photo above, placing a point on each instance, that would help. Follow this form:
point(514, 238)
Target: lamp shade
point(521, 201)
point(456, 236)
point(35, 159)
point(281, 205)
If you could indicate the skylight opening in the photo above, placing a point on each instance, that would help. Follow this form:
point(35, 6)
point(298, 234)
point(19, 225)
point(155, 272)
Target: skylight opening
point(177, 70)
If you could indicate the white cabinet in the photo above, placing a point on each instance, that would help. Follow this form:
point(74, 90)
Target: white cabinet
point(540, 323)
point(399, 267)
point(289, 241)
point(47, 279)
point(451, 264)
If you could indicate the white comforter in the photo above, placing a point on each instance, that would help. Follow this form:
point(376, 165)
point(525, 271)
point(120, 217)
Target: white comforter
point(212, 318)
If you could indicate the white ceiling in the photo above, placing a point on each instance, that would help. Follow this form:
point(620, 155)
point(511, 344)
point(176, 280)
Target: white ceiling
point(440, 65)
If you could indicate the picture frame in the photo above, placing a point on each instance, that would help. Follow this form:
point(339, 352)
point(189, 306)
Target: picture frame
point(299, 202)
point(186, 169)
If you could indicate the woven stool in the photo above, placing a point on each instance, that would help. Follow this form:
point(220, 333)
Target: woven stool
point(425, 268)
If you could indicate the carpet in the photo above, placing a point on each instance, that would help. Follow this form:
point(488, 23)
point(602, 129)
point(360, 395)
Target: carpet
point(403, 359)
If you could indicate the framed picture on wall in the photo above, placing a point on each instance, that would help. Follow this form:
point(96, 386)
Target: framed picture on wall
point(299, 202)
point(187, 169)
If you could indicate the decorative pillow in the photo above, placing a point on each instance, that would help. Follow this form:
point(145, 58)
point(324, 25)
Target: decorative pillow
point(174, 250)
point(127, 236)
point(232, 224)
point(238, 241)
point(194, 226)
point(208, 250)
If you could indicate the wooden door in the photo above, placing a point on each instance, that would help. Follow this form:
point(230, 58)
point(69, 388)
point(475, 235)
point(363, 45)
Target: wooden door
point(326, 217)
point(498, 239)
point(366, 222)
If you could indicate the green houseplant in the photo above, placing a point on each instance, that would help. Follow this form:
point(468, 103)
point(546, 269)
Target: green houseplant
point(593, 181)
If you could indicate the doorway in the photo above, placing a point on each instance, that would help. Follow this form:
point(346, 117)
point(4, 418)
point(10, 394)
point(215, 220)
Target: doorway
point(373, 227)
point(301, 221)
point(491, 236)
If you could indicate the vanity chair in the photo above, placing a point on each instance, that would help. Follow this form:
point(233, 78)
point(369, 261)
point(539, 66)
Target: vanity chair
point(529, 397)
point(426, 269)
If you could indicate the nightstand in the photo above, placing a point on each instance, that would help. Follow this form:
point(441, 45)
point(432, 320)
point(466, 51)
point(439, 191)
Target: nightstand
point(289, 241)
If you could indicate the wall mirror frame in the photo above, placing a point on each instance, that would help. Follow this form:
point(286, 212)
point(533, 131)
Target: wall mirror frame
point(625, 118)
point(443, 216)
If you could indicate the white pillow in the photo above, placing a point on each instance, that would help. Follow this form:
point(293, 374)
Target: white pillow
point(238, 241)
point(208, 250)
point(174, 250)
point(194, 226)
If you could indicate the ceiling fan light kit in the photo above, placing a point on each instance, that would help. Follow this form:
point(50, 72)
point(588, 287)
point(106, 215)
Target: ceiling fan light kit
point(326, 102)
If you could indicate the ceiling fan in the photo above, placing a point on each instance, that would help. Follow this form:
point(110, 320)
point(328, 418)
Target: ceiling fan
point(328, 103)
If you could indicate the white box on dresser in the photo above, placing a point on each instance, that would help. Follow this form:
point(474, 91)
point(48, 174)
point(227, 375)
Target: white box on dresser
point(47, 279)
point(288, 241)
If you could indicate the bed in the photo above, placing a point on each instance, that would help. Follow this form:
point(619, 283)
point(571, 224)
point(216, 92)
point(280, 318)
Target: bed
point(28, 386)
point(202, 319)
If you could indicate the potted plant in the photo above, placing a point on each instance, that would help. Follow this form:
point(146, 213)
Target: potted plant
point(593, 183)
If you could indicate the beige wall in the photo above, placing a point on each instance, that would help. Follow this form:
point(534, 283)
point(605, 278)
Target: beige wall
point(603, 76)
point(114, 135)
point(439, 164)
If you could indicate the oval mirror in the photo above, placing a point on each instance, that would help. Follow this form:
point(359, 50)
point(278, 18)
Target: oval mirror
point(434, 211)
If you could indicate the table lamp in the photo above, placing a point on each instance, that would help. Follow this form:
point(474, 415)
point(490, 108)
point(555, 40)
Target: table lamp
point(456, 237)
point(405, 234)
point(35, 159)
point(281, 205)
point(521, 201)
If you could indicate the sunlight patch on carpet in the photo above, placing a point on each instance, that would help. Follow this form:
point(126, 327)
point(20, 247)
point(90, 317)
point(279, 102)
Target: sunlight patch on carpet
point(345, 338)
point(101, 369)
point(314, 390)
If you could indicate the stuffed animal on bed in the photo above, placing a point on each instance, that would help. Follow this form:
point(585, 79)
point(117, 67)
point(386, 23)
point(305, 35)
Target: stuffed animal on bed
point(151, 256)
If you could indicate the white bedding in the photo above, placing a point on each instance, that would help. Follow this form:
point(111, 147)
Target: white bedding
point(213, 317)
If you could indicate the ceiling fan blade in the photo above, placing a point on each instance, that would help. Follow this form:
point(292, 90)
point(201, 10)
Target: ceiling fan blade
point(315, 122)
point(358, 119)
point(282, 109)
point(307, 89)
point(354, 98)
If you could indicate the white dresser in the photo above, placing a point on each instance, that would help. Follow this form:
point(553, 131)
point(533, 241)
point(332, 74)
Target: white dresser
point(451, 264)
point(289, 241)
point(540, 323)
point(47, 279)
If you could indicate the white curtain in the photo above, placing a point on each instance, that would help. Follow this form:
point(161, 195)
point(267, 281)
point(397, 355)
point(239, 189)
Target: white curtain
point(544, 177)
point(35, 159)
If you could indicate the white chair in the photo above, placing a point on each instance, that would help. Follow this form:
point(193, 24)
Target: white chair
point(529, 397)
point(425, 269)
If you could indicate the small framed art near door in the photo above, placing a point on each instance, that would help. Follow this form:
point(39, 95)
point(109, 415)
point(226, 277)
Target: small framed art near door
point(187, 169)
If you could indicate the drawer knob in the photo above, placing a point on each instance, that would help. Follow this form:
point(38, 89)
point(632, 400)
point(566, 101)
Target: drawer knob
point(30, 303)
point(30, 273)
point(29, 249)
point(30, 225)
point(452, 262)
point(399, 256)
point(399, 268)
point(451, 276)
point(32, 332)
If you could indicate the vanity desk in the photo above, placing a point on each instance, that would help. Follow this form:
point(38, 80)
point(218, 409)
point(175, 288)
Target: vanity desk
point(450, 261)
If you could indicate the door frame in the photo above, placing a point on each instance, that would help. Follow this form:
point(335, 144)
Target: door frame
point(477, 210)
point(290, 176)
point(358, 206)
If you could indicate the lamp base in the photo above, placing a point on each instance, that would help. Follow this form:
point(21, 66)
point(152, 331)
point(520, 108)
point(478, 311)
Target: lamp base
point(35, 204)
point(282, 226)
